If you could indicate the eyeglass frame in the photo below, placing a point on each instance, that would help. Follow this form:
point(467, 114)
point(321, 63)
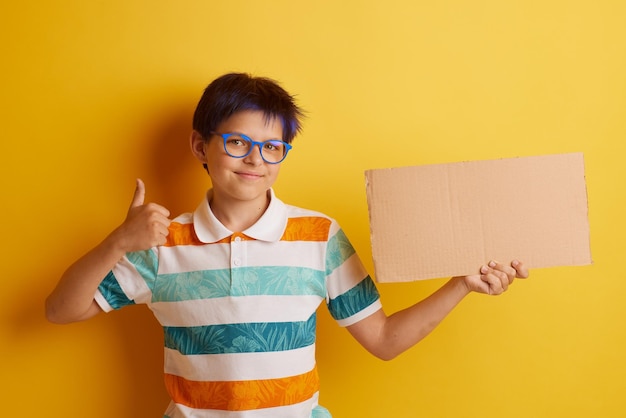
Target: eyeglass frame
point(254, 143)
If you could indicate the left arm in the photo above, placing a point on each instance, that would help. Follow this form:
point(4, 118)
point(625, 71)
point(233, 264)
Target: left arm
point(388, 336)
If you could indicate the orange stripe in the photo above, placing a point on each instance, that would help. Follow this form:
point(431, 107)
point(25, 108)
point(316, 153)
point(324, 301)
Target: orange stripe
point(181, 234)
point(310, 228)
point(243, 395)
point(184, 234)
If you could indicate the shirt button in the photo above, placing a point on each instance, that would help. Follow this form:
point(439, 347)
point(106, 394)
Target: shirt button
point(237, 239)
point(236, 262)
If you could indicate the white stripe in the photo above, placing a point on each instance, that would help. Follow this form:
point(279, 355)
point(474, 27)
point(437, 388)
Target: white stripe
point(102, 302)
point(240, 366)
point(131, 282)
point(299, 410)
point(236, 310)
point(346, 276)
point(184, 258)
point(307, 254)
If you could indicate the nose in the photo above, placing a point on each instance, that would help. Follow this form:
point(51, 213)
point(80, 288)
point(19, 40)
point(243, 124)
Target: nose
point(255, 155)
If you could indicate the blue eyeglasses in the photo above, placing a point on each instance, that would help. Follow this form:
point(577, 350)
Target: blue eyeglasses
point(237, 145)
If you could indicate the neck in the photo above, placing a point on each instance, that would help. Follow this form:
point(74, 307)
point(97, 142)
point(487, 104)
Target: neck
point(237, 215)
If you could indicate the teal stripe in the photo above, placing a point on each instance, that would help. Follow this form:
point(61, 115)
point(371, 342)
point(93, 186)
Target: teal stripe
point(113, 293)
point(256, 281)
point(147, 264)
point(354, 300)
point(241, 338)
point(320, 412)
point(338, 250)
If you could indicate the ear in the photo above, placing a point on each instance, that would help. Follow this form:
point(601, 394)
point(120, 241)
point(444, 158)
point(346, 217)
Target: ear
point(198, 146)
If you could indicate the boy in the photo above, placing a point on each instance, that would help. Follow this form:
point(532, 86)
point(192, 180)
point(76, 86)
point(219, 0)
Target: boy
point(236, 283)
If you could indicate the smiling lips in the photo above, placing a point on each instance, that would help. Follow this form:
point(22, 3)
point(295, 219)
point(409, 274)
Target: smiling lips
point(248, 175)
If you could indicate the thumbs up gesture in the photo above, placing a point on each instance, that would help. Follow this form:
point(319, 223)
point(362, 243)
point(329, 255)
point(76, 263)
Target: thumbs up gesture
point(145, 226)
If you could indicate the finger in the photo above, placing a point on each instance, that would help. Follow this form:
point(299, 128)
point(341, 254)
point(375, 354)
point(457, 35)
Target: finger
point(498, 281)
point(159, 219)
point(163, 224)
point(506, 274)
point(508, 270)
point(158, 210)
point(162, 237)
point(495, 284)
point(520, 269)
point(477, 284)
point(140, 193)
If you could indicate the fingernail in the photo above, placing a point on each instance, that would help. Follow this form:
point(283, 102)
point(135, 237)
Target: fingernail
point(484, 269)
point(514, 263)
point(492, 263)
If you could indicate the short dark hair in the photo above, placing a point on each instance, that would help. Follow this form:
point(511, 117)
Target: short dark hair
point(234, 92)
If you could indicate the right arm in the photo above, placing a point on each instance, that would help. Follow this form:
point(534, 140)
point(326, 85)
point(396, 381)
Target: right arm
point(72, 299)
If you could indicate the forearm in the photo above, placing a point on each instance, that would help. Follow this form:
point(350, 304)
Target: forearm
point(73, 298)
point(387, 337)
point(407, 327)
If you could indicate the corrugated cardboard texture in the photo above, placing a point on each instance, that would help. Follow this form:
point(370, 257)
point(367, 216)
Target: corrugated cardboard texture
point(449, 219)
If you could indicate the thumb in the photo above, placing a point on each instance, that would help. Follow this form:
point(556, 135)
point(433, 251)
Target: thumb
point(140, 193)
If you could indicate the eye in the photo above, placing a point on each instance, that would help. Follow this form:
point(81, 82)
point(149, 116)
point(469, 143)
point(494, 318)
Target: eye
point(236, 141)
point(273, 146)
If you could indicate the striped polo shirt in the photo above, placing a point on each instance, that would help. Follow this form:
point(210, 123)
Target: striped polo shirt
point(238, 310)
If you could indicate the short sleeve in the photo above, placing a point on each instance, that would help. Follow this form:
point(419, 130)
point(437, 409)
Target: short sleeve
point(352, 294)
point(131, 281)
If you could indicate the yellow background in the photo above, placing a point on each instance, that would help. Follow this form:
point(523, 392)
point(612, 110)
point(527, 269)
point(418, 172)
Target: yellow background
point(95, 94)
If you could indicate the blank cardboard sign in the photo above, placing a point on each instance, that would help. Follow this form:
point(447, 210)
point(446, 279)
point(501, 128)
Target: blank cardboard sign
point(447, 220)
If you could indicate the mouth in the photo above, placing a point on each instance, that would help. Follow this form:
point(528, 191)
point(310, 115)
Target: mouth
point(249, 175)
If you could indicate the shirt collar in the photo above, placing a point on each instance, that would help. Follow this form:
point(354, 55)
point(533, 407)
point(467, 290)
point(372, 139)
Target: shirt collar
point(270, 227)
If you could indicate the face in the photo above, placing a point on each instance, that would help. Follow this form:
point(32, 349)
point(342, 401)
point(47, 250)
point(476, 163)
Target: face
point(239, 180)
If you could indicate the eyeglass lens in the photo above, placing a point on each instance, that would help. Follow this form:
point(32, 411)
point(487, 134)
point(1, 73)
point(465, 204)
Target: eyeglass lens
point(272, 151)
